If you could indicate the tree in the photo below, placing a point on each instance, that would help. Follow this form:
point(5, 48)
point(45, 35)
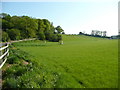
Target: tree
point(55, 37)
point(5, 24)
point(16, 21)
point(41, 36)
point(30, 33)
point(30, 26)
point(27, 26)
point(52, 28)
point(59, 37)
point(41, 26)
point(5, 16)
point(21, 27)
point(14, 34)
point(63, 32)
point(104, 33)
point(101, 33)
point(98, 33)
point(5, 36)
point(59, 29)
point(93, 33)
point(47, 30)
point(80, 33)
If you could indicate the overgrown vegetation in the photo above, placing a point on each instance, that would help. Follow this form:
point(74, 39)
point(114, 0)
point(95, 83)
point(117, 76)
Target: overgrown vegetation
point(23, 27)
point(21, 71)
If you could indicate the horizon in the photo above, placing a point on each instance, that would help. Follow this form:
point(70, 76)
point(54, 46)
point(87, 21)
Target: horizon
point(73, 17)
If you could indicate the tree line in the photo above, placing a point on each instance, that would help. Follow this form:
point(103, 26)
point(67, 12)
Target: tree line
point(96, 33)
point(23, 27)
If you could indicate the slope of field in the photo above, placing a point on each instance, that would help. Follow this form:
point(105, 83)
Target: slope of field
point(81, 62)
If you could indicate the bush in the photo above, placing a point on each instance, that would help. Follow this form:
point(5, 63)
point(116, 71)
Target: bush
point(13, 59)
point(10, 83)
point(55, 38)
point(20, 70)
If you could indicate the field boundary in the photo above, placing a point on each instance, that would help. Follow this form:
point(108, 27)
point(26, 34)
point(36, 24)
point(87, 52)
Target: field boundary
point(4, 50)
point(4, 54)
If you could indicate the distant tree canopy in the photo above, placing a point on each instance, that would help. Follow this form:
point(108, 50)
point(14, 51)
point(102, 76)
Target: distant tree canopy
point(98, 33)
point(63, 32)
point(95, 33)
point(22, 27)
point(80, 33)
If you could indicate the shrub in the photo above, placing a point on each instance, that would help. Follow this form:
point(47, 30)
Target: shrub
point(55, 37)
point(13, 59)
point(10, 83)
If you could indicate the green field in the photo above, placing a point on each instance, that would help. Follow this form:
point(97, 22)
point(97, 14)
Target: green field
point(81, 62)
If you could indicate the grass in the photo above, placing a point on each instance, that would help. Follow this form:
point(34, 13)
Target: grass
point(81, 62)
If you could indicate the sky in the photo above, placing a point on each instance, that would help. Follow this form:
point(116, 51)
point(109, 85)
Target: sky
point(73, 16)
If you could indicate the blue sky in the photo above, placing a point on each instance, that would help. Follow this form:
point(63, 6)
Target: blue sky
point(73, 17)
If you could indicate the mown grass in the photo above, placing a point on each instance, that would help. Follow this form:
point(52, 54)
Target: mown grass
point(81, 62)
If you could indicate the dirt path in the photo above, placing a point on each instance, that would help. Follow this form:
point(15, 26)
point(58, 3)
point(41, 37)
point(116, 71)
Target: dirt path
point(5, 43)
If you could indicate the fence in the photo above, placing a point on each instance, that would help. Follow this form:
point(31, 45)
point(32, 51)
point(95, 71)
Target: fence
point(4, 52)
